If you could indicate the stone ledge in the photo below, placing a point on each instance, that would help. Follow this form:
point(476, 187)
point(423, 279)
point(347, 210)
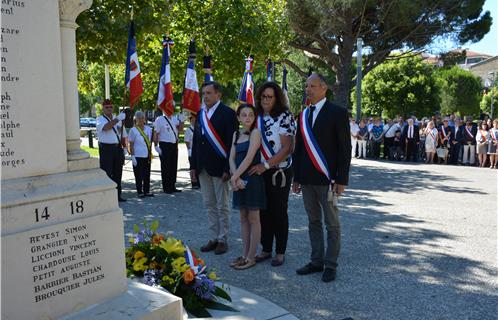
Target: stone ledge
point(139, 302)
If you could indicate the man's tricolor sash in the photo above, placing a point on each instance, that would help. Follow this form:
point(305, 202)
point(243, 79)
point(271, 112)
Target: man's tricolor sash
point(211, 135)
point(266, 148)
point(312, 147)
point(443, 131)
point(468, 132)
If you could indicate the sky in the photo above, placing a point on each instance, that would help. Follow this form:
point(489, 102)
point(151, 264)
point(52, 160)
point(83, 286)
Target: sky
point(488, 44)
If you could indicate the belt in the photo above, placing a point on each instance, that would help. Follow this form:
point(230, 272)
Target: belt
point(109, 144)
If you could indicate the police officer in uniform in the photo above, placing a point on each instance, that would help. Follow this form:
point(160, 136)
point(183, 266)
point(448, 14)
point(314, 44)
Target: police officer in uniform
point(166, 131)
point(110, 133)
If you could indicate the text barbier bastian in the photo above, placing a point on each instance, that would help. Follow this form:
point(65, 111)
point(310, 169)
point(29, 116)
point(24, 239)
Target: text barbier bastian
point(61, 261)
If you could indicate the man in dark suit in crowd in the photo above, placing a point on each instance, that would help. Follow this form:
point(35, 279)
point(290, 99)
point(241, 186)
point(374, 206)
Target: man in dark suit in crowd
point(328, 124)
point(412, 139)
point(456, 138)
point(210, 149)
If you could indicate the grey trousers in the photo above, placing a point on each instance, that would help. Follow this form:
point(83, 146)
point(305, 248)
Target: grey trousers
point(215, 197)
point(315, 202)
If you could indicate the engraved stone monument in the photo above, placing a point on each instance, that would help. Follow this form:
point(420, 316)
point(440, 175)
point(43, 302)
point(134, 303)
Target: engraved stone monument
point(61, 227)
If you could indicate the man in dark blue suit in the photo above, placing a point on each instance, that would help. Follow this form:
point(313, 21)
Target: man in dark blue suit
point(321, 184)
point(456, 138)
point(213, 133)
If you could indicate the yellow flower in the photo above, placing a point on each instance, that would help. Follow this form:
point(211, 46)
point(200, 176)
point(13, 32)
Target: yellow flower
point(188, 276)
point(153, 265)
point(157, 238)
point(171, 245)
point(212, 276)
point(180, 265)
point(138, 265)
point(138, 255)
point(168, 280)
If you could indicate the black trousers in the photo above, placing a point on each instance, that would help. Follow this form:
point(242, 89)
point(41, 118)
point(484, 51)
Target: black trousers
point(376, 149)
point(275, 220)
point(454, 153)
point(169, 163)
point(142, 175)
point(388, 142)
point(411, 150)
point(111, 161)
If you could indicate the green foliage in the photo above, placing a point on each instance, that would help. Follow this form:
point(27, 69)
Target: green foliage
point(231, 28)
point(485, 104)
point(460, 91)
point(328, 29)
point(400, 86)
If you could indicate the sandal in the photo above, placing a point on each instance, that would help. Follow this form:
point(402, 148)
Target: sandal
point(262, 257)
point(246, 265)
point(238, 261)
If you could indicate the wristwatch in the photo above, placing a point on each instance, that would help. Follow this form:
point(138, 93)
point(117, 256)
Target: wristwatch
point(267, 165)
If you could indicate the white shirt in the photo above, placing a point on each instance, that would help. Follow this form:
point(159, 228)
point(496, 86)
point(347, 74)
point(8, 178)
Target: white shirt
point(410, 131)
point(140, 149)
point(211, 110)
point(189, 137)
point(168, 131)
point(354, 130)
point(391, 131)
point(108, 136)
point(318, 107)
point(283, 125)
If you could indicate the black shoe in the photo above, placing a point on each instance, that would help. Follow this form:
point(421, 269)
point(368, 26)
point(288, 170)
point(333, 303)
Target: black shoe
point(177, 190)
point(328, 275)
point(309, 268)
point(149, 194)
point(168, 191)
point(141, 195)
point(121, 199)
point(210, 246)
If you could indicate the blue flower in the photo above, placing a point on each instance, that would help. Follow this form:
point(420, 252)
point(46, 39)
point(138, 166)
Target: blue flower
point(152, 277)
point(204, 287)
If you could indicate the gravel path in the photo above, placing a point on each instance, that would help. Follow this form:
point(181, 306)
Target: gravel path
point(418, 242)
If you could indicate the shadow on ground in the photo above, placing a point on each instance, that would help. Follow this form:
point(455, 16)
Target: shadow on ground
point(392, 265)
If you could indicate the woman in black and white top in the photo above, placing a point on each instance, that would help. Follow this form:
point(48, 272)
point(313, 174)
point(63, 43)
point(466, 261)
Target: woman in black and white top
point(140, 142)
point(279, 129)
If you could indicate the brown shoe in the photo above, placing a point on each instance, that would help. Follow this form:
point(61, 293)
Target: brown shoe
point(210, 246)
point(221, 248)
point(246, 265)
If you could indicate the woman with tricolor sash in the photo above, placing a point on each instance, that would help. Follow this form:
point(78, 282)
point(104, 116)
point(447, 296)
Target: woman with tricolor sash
point(139, 139)
point(493, 145)
point(431, 137)
point(278, 128)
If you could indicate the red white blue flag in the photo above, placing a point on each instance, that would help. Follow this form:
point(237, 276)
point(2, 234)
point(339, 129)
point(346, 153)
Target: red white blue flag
point(133, 80)
point(269, 70)
point(311, 145)
point(165, 90)
point(284, 85)
point(246, 93)
point(208, 68)
point(191, 99)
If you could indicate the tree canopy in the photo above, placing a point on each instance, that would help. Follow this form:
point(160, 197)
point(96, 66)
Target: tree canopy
point(230, 28)
point(401, 86)
point(460, 91)
point(328, 29)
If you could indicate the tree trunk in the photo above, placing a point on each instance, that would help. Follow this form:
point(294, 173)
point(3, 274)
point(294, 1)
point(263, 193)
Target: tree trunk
point(342, 87)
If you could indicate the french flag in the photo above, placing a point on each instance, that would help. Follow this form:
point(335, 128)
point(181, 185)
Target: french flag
point(269, 70)
point(208, 69)
point(133, 80)
point(191, 98)
point(284, 85)
point(165, 90)
point(246, 94)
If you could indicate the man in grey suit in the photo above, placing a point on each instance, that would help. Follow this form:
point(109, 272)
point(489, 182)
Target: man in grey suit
point(322, 174)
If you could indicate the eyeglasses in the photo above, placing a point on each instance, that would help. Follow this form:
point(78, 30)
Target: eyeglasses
point(265, 97)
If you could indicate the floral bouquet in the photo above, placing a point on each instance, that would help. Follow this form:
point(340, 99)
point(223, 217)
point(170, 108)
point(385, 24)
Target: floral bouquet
point(166, 262)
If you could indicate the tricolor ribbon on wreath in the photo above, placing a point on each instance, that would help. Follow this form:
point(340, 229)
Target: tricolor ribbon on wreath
point(211, 135)
point(312, 147)
point(192, 261)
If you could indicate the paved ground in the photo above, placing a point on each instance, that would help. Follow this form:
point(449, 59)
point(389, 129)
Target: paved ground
point(418, 242)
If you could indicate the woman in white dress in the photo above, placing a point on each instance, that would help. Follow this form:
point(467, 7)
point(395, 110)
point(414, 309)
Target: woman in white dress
point(493, 145)
point(430, 142)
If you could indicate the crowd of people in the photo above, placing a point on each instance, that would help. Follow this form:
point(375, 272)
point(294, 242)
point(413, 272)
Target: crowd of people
point(445, 140)
point(262, 152)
